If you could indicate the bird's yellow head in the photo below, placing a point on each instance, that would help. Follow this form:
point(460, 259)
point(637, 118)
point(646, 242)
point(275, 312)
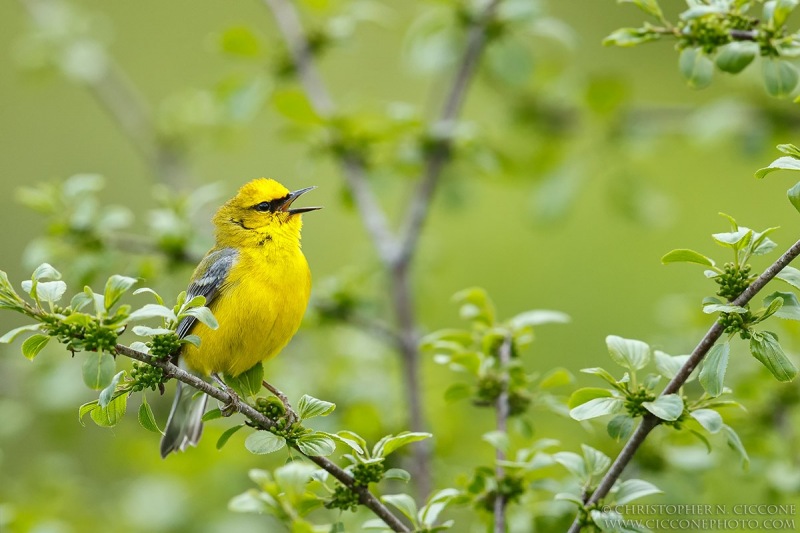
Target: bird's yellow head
point(261, 214)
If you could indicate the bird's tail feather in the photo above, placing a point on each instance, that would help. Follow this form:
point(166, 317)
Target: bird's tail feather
point(185, 422)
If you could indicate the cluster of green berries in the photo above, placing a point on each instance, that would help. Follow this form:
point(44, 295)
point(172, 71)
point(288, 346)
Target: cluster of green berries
point(736, 323)
point(518, 402)
point(146, 377)
point(92, 337)
point(634, 400)
point(489, 388)
point(366, 473)
point(343, 498)
point(585, 515)
point(163, 346)
point(510, 487)
point(270, 407)
point(713, 31)
point(733, 281)
point(290, 432)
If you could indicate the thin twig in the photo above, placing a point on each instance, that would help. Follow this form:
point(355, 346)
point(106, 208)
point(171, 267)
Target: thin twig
point(288, 21)
point(502, 412)
point(396, 254)
point(263, 422)
point(649, 422)
point(443, 131)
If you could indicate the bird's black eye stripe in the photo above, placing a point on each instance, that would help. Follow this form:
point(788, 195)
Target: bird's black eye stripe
point(263, 207)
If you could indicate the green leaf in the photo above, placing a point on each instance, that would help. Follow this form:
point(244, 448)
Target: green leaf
point(146, 418)
point(397, 473)
point(436, 504)
point(111, 414)
point(620, 427)
point(212, 414)
point(263, 442)
point(248, 383)
point(51, 291)
point(556, 377)
point(34, 344)
point(736, 56)
point(794, 196)
point(764, 346)
point(734, 239)
point(626, 37)
point(723, 308)
point(736, 444)
point(227, 434)
point(781, 11)
point(315, 444)
point(791, 306)
point(390, 443)
point(497, 439)
point(668, 407)
point(98, 370)
point(148, 311)
point(596, 461)
point(709, 419)
point(116, 286)
point(669, 366)
point(404, 503)
point(696, 67)
point(194, 340)
point(650, 7)
point(537, 318)
point(351, 436)
point(789, 149)
point(782, 163)
point(633, 489)
point(595, 408)
point(14, 333)
point(108, 393)
point(780, 77)
point(583, 395)
point(310, 407)
point(572, 462)
point(790, 275)
point(603, 373)
point(687, 256)
point(712, 375)
point(628, 353)
point(475, 305)
point(147, 331)
point(147, 290)
point(85, 409)
point(45, 271)
point(202, 314)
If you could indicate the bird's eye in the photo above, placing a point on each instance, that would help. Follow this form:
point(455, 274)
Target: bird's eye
point(263, 207)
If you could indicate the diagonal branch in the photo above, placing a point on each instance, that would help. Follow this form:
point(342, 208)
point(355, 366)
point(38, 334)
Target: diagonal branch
point(650, 422)
point(443, 131)
point(288, 21)
point(263, 422)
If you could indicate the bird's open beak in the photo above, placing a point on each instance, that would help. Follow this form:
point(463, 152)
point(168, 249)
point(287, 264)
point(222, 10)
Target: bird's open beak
point(294, 196)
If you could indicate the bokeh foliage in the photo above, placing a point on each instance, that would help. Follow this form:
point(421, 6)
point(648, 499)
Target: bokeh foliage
point(572, 178)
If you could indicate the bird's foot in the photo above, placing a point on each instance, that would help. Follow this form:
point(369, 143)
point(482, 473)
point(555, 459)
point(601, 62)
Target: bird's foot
point(291, 416)
point(234, 403)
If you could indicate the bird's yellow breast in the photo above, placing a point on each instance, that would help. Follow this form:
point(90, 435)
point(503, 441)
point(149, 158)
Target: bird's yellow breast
point(259, 309)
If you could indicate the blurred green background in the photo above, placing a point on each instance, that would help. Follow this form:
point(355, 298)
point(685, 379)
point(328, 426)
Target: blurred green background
point(587, 164)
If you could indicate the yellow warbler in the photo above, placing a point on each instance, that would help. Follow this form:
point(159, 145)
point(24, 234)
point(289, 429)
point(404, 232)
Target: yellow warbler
point(257, 283)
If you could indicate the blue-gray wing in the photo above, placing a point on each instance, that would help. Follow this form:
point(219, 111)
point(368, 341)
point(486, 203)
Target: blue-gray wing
point(209, 281)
